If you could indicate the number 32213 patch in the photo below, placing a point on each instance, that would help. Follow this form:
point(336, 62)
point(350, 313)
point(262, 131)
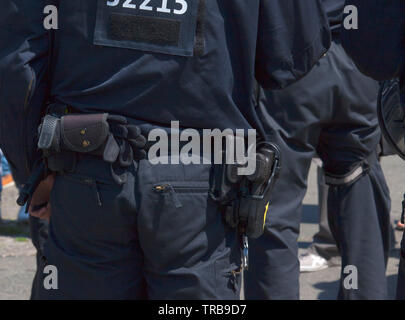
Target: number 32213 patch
point(183, 5)
point(158, 26)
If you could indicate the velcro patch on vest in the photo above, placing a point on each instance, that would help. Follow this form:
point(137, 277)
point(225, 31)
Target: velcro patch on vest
point(158, 31)
point(157, 26)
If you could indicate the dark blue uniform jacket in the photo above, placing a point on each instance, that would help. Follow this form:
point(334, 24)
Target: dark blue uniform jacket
point(194, 61)
point(377, 46)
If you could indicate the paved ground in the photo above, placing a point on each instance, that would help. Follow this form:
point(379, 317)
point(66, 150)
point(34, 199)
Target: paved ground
point(17, 255)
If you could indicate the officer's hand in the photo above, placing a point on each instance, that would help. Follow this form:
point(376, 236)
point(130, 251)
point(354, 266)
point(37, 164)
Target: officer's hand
point(40, 206)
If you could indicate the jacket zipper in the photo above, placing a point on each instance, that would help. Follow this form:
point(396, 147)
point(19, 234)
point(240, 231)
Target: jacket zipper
point(173, 191)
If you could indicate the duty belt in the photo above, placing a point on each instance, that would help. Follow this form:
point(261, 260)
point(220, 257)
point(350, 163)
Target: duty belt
point(62, 137)
point(244, 199)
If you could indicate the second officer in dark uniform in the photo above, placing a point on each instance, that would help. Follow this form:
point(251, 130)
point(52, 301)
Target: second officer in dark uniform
point(331, 112)
point(377, 48)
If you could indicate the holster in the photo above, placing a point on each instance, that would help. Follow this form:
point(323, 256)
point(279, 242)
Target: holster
point(225, 191)
point(244, 200)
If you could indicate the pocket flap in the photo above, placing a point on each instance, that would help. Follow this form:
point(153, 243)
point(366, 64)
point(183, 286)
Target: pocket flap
point(84, 133)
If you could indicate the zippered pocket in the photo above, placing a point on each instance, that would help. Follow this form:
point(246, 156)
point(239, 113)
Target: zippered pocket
point(174, 190)
point(90, 182)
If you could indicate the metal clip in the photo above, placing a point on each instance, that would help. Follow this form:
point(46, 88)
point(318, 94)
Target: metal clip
point(245, 253)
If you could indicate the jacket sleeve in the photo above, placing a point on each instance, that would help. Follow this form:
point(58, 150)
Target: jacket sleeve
point(293, 35)
point(24, 86)
point(377, 45)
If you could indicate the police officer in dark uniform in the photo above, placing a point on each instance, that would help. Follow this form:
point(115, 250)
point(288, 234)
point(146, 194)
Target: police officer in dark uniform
point(377, 47)
point(330, 112)
point(124, 229)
